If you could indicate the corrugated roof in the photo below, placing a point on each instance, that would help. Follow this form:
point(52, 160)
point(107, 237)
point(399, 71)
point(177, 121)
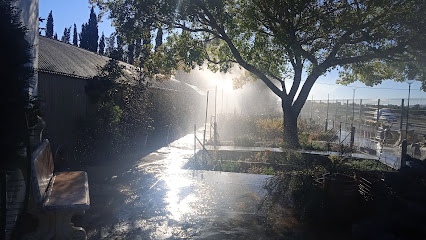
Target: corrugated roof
point(65, 59)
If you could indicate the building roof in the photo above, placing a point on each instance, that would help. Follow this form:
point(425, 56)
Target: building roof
point(61, 58)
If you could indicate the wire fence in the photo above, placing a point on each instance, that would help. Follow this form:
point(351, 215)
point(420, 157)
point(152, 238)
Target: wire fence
point(380, 124)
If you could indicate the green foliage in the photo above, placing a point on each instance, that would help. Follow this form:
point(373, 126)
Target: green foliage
point(268, 171)
point(122, 115)
point(336, 160)
point(367, 165)
point(366, 40)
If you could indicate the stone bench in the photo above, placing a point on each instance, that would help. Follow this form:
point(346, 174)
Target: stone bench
point(57, 197)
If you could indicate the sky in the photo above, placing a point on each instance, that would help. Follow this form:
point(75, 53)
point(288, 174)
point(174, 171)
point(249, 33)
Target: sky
point(68, 12)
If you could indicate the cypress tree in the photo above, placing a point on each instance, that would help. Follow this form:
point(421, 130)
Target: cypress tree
point(89, 33)
point(83, 37)
point(137, 48)
point(110, 45)
point(74, 36)
point(102, 44)
point(92, 28)
point(67, 35)
point(55, 36)
point(49, 25)
point(120, 52)
point(131, 53)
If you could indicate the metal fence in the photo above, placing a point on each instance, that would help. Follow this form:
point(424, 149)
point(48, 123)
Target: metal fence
point(380, 124)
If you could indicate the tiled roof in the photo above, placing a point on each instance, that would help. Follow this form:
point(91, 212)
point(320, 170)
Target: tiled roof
point(61, 58)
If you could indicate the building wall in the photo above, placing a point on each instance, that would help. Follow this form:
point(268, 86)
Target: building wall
point(63, 105)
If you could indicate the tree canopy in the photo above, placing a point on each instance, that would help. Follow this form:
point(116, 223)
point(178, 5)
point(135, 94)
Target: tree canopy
point(275, 40)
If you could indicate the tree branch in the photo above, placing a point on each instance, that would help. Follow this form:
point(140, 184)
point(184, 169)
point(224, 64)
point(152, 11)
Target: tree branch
point(238, 57)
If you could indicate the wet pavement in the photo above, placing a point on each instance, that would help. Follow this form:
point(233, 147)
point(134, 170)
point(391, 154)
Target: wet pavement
point(155, 198)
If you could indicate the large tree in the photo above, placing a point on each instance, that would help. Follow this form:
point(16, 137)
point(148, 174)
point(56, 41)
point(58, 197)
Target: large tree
point(49, 25)
point(278, 40)
point(89, 33)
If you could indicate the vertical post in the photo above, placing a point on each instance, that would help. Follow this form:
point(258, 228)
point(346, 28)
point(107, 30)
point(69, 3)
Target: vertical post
point(360, 116)
point(347, 105)
point(222, 100)
point(215, 134)
point(205, 126)
point(378, 113)
point(353, 105)
point(340, 132)
point(195, 141)
point(403, 153)
point(215, 104)
point(402, 116)
point(326, 118)
point(215, 116)
point(352, 136)
point(335, 114)
point(312, 105)
point(408, 110)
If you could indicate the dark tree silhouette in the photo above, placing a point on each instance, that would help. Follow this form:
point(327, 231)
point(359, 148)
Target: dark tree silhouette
point(120, 44)
point(89, 33)
point(83, 36)
point(66, 37)
point(110, 45)
point(102, 44)
point(159, 38)
point(75, 36)
point(131, 53)
point(49, 25)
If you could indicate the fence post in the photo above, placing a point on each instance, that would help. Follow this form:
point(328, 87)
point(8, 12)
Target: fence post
point(347, 105)
point(205, 126)
point(378, 113)
point(195, 141)
point(215, 134)
point(360, 117)
point(352, 136)
point(402, 117)
point(403, 152)
point(326, 119)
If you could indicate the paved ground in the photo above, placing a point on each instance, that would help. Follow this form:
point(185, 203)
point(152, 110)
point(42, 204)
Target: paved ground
point(156, 199)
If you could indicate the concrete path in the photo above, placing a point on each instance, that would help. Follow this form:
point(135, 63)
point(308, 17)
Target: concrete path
point(157, 199)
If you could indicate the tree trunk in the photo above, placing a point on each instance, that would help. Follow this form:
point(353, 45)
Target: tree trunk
point(290, 131)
